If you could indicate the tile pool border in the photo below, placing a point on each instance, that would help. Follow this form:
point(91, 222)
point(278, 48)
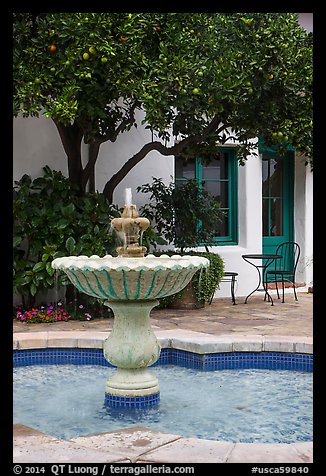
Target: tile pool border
point(179, 449)
point(183, 358)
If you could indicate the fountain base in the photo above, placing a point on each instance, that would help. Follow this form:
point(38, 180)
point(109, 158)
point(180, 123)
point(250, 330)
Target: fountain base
point(133, 388)
point(132, 346)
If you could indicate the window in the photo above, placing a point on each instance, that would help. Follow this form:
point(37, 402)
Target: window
point(272, 173)
point(219, 177)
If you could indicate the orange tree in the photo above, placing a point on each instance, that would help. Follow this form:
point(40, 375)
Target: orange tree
point(196, 77)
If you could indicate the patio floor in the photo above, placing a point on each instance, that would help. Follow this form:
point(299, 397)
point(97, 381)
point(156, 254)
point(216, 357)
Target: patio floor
point(221, 317)
point(288, 323)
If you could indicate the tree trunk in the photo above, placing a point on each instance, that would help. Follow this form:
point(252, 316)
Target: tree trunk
point(71, 137)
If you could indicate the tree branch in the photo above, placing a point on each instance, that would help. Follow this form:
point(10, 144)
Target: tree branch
point(127, 120)
point(163, 150)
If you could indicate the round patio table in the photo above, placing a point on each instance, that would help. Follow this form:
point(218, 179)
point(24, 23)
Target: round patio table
point(265, 260)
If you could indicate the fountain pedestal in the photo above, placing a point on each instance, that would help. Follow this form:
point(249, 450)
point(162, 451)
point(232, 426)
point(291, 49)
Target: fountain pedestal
point(132, 346)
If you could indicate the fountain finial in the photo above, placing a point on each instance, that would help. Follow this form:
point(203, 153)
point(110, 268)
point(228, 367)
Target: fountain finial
point(132, 226)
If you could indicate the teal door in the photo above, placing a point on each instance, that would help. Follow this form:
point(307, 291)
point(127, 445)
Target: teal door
point(278, 199)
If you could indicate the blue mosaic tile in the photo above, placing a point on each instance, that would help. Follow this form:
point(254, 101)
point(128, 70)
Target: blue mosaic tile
point(164, 359)
point(59, 356)
point(258, 360)
point(216, 361)
point(117, 401)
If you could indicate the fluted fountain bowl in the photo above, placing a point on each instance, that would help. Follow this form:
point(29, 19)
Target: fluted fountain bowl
point(130, 279)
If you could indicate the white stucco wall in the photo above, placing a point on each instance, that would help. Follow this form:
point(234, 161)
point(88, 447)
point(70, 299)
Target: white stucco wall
point(36, 143)
point(306, 21)
point(303, 219)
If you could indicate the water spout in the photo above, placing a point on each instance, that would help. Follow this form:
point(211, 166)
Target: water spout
point(128, 197)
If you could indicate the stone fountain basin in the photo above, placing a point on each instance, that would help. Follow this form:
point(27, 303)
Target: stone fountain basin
point(121, 279)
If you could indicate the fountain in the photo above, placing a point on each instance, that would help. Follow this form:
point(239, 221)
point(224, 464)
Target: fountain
point(131, 284)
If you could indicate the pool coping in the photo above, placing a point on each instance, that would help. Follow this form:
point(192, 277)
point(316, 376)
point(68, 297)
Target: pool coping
point(140, 444)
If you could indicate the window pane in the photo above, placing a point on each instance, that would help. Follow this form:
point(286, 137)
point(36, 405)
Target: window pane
point(222, 228)
point(265, 175)
point(218, 190)
point(265, 216)
point(276, 178)
point(276, 225)
point(184, 169)
point(216, 169)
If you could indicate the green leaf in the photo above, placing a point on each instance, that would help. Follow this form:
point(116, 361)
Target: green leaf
point(49, 269)
point(17, 241)
point(33, 289)
point(38, 267)
point(45, 257)
point(70, 245)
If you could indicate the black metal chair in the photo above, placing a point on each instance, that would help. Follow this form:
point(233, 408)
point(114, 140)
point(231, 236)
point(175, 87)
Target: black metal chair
point(285, 267)
point(229, 277)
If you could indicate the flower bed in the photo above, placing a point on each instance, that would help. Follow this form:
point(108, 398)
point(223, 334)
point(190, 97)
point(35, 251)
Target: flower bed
point(61, 312)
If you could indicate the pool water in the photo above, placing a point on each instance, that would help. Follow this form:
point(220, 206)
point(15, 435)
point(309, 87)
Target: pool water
point(241, 405)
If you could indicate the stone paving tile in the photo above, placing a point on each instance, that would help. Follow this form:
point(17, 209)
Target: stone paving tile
point(32, 446)
point(189, 450)
point(129, 443)
point(266, 453)
point(23, 434)
point(64, 452)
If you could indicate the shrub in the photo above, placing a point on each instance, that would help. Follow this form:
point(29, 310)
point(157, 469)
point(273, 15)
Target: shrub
point(204, 282)
point(52, 220)
point(183, 214)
